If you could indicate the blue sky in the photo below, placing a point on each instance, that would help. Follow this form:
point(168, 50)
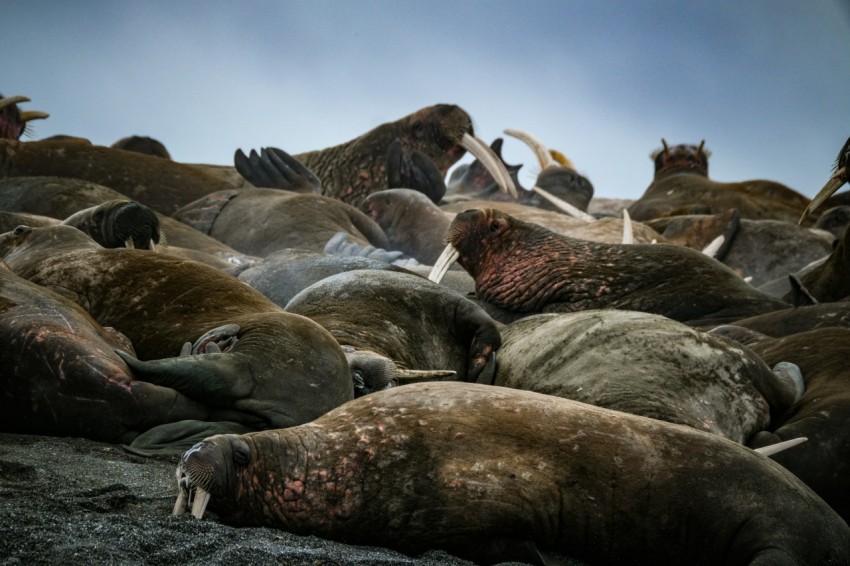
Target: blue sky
point(766, 83)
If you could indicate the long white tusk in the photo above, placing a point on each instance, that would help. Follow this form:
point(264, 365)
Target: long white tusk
point(128, 243)
point(4, 102)
point(491, 161)
point(563, 205)
point(443, 263)
point(544, 158)
point(202, 497)
point(780, 446)
point(33, 115)
point(424, 373)
point(834, 183)
point(628, 231)
point(181, 504)
point(714, 246)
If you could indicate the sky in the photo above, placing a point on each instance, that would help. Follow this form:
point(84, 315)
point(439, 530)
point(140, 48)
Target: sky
point(766, 83)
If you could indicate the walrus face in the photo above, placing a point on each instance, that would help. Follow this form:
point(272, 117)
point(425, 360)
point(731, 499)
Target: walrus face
point(119, 223)
point(13, 122)
point(682, 158)
point(207, 469)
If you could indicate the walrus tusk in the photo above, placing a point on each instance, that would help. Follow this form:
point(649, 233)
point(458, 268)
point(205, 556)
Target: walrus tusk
point(181, 504)
point(443, 263)
point(33, 115)
point(200, 501)
point(780, 446)
point(563, 205)
point(628, 231)
point(832, 185)
point(403, 374)
point(491, 161)
point(4, 102)
point(544, 158)
point(714, 246)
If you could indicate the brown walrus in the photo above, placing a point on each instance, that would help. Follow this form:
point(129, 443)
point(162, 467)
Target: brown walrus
point(494, 474)
point(13, 122)
point(681, 186)
point(265, 367)
point(526, 268)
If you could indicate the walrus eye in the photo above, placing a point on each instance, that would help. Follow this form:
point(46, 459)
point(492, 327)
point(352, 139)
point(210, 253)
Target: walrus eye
point(418, 129)
point(21, 230)
point(241, 452)
point(496, 226)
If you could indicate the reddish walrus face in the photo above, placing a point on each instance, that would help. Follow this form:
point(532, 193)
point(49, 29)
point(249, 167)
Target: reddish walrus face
point(489, 472)
point(524, 267)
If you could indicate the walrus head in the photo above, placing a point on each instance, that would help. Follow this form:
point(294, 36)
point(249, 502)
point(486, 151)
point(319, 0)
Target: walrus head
point(205, 471)
point(838, 178)
point(682, 158)
point(119, 223)
point(13, 122)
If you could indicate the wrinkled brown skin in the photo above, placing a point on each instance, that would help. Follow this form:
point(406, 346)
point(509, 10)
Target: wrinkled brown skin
point(262, 221)
point(821, 415)
point(799, 319)
point(11, 220)
point(58, 197)
point(482, 471)
point(416, 323)
point(60, 375)
point(526, 268)
point(829, 281)
point(681, 186)
point(351, 170)
point(161, 184)
point(284, 370)
point(644, 364)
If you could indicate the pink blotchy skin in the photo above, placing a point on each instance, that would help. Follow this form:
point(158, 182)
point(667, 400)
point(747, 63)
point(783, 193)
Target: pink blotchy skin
point(470, 469)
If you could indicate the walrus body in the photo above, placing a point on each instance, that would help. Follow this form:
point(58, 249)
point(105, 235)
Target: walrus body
point(60, 375)
point(273, 369)
point(480, 471)
point(822, 414)
point(527, 268)
point(646, 365)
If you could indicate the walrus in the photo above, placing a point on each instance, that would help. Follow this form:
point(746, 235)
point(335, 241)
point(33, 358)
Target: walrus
point(839, 177)
point(492, 474)
point(142, 144)
point(60, 375)
point(822, 414)
point(827, 282)
point(11, 220)
point(405, 317)
point(14, 122)
point(257, 364)
point(119, 223)
point(526, 268)
point(799, 319)
point(681, 185)
point(648, 365)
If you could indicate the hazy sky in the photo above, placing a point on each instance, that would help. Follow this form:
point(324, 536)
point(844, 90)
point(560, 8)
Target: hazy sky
point(766, 83)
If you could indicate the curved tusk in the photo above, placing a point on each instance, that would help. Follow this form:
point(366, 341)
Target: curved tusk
point(628, 230)
point(181, 505)
point(544, 158)
point(128, 243)
point(563, 205)
point(33, 115)
point(834, 183)
point(403, 374)
point(199, 505)
point(666, 147)
point(491, 162)
point(4, 102)
point(443, 263)
point(562, 159)
point(780, 446)
point(714, 246)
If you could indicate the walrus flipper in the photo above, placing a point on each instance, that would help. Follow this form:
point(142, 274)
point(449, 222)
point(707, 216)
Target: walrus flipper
point(176, 438)
point(415, 171)
point(202, 213)
point(275, 169)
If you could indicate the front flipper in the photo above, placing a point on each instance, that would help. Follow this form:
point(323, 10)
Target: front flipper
point(415, 171)
point(274, 168)
point(176, 438)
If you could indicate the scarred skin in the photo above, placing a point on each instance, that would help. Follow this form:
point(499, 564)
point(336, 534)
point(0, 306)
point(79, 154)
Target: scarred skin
point(484, 471)
point(284, 369)
point(822, 414)
point(60, 375)
point(527, 268)
point(681, 186)
point(351, 170)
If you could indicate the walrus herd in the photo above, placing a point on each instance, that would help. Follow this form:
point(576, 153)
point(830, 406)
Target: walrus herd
point(566, 383)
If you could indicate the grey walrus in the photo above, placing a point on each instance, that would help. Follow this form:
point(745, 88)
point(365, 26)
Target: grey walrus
point(489, 472)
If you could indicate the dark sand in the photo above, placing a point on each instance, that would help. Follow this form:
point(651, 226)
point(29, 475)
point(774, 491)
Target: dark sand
point(74, 501)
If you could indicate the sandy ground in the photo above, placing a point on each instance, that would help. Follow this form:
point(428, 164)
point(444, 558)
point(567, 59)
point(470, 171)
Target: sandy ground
point(74, 501)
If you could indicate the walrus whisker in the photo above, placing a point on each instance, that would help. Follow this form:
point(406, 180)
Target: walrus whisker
point(714, 246)
point(833, 184)
point(490, 161)
point(780, 446)
point(544, 158)
point(443, 263)
point(628, 230)
point(563, 205)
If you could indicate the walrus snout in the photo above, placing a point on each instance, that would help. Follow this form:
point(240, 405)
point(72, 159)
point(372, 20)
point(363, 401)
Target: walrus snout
point(197, 471)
